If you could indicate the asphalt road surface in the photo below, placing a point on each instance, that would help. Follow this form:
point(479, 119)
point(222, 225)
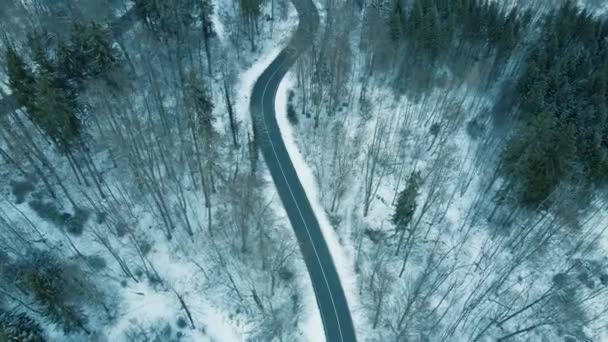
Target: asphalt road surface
point(333, 307)
point(335, 313)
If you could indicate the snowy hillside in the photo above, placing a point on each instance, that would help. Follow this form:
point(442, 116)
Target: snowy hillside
point(409, 166)
point(453, 155)
point(159, 237)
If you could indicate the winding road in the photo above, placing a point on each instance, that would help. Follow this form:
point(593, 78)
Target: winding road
point(333, 307)
point(335, 314)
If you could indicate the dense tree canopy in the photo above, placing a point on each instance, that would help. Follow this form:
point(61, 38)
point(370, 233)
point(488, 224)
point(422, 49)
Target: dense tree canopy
point(48, 89)
point(18, 327)
point(563, 93)
point(54, 112)
point(171, 19)
point(541, 156)
point(88, 53)
point(562, 90)
point(20, 76)
point(427, 32)
point(59, 290)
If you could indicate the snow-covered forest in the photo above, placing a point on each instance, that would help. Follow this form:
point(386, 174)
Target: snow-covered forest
point(455, 153)
point(460, 152)
point(134, 204)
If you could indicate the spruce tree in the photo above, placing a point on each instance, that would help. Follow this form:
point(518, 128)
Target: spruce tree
point(167, 19)
point(21, 79)
point(18, 327)
point(541, 156)
point(58, 289)
point(202, 105)
point(406, 202)
point(565, 80)
point(88, 53)
point(48, 292)
point(54, 111)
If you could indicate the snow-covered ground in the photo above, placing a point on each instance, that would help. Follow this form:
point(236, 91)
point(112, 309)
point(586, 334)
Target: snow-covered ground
point(342, 255)
point(461, 249)
point(311, 326)
point(454, 276)
point(157, 285)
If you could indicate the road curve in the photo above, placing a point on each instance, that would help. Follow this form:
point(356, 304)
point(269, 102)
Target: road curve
point(333, 307)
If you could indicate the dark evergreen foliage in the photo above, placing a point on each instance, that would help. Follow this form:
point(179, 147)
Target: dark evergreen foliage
point(165, 17)
point(50, 87)
point(563, 94)
point(171, 19)
point(41, 49)
point(18, 327)
point(541, 156)
point(21, 79)
point(562, 91)
point(54, 111)
point(250, 8)
point(59, 290)
point(48, 292)
point(200, 101)
point(429, 33)
point(406, 202)
point(87, 54)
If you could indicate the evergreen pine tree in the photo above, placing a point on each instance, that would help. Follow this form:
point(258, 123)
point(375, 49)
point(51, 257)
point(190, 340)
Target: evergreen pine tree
point(18, 327)
point(88, 53)
point(202, 105)
point(54, 112)
point(58, 291)
point(21, 80)
point(406, 202)
point(541, 156)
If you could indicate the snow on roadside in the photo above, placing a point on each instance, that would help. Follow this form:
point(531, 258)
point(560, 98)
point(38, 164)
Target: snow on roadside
point(311, 325)
point(248, 76)
point(247, 81)
point(342, 256)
